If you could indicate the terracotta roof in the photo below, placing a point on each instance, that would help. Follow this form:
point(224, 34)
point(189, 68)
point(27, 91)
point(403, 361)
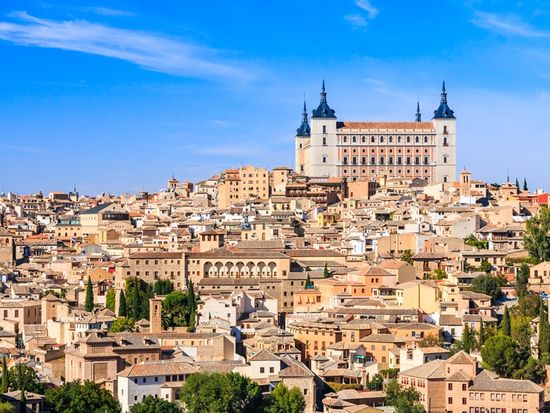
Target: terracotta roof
point(387, 125)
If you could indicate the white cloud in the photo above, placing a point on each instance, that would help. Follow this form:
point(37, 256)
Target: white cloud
point(149, 51)
point(356, 20)
point(507, 25)
point(368, 7)
point(106, 11)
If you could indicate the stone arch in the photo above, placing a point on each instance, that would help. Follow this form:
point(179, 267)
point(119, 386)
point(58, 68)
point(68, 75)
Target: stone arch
point(272, 269)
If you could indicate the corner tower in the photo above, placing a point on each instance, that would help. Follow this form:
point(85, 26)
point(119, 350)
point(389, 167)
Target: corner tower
point(302, 141)
point(444, 122)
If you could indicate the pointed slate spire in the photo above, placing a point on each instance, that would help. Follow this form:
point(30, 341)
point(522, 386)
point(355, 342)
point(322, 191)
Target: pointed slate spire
point(443, 111)
point(304, 129)
point(323, 110)
point(418, 116)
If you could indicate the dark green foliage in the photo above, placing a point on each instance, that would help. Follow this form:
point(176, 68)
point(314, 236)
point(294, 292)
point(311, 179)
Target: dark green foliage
point(89, 303)
point(309, 283)
point(122, 310)
point(22, 377)
point(220, 393)
point(152, 404)
point(505, 325)
point(486, 266)
point(525, 187)
point(533, 370)
point(544, 331)
point(389, 373)
point(405, 400)
point(522, 281)
point(5, 376)
point(527, 306)
point(123, 324)
point(536, 239)
point(500, 354)
point(487, 284)
point(376, 383)
point(110, 299)
point(77, 397)
point(326, 271)
point(138, 293)
point(406, 256)
point(163, 287)
point(517, 184)
point(285, 400)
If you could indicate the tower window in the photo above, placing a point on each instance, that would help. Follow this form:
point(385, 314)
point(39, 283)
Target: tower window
point(445, 129)
point(363, 139)
point(381, 139)
point(417, 140)
point(324, 141)
point(425, 139)
point(324, 129)
point(408, 139)
point(390, 139)
point(445, 159)
point(372, 139)
point(345, 139)
point(399, 139)
point(353, 139)
point(445, 142)
point(324, 159)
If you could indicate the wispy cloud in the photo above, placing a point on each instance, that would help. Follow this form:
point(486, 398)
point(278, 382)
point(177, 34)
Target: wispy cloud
point(147, 50)
point(356, 20)
point(368, 7)
point(511, 25)
point(359, 20)
point(106, 11)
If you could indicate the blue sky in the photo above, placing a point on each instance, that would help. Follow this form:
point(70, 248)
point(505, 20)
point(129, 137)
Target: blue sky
point(117, 96)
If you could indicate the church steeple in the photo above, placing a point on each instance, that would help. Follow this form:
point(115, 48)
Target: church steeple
point(323, 110)
point(304, 129)
point(443, 111)
point(418, 116)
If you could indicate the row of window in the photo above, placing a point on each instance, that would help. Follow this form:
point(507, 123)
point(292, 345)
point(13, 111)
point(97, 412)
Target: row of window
point(381, 139)
point(382, 160)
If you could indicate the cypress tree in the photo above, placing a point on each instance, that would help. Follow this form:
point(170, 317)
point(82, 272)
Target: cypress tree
point(517, 184)
point(544, 331)
point(309, 284)
point(525, 185)
point(506, 326)
point(122, 304)
point(467, 342)
point(5, 378)
point(326, 272)
point(89, 304)
point(481, 334)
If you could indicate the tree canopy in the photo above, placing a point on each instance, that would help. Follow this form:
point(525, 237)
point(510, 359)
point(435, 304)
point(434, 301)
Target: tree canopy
point(110, 299)
point(152, 404)
point(221, 393)
point(78, 397)
point(123, 324)
point(500, 355)
point(285, 400)
point(405, 400)
point(487, 284)
point(536, 238)
point(22, 377)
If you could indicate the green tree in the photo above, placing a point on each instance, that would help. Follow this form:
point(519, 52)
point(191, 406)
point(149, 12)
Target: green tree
point(326, 271)
point(163, 287)
point(23, 378)
point(78, 397)
point(522, 281)
point(468, 339)
point(407, 256)
point(89, 304)
point(138, 293)
point(220, 393)
point(110, 299)
point(481, 335)
point(404, 400)
point(285, 400)
point(533, 370)
point(505, 325)
point(6, 407)
point(5, 376)
point(499, 354)
point(152, 404)
point(527, 306)
point(525, 188)
point(536, 238)
point(123, 324)
point(487, 284)
point(517, 184)
point(175, 311)
point(309, 283)
point(486, 266)
point(376, 383)
point(521, 333)
point(544, 331)
point(122, 310)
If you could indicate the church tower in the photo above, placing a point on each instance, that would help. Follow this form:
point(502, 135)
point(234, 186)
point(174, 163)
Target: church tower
point(444, 122)
point(323, 140)
point(301, 142)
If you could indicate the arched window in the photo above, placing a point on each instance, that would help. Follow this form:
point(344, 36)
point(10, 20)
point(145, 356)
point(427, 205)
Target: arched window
point(324, 141)
point(353, 139)
point(372, 139)
point(390, 139)
point(345, 139)
point(417, 139)
point(324, 129)
point(408, 139)
point(445, 158)
point(324, 159)
point(381, 139)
